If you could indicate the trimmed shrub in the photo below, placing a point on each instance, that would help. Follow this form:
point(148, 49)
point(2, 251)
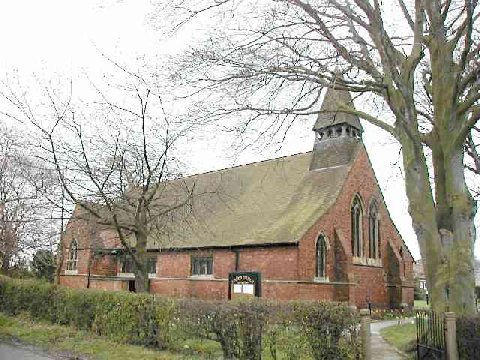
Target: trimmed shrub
point(330, 329)
point(134, 318)
point(244, 330)
point(138, 319)
point(74, 308)
point(290, 330)
point(237, 326)
point(34, 297)
point(468, 337)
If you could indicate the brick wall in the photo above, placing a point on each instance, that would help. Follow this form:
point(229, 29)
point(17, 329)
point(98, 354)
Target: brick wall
point(367, 282)
point(272, 263)
point(108, 285)
point(74, 281)
point(191, 288)
point(104, 265)
point(298, 291)
point(174, 270)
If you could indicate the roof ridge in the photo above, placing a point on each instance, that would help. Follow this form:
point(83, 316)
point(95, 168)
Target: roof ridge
point(244, 165)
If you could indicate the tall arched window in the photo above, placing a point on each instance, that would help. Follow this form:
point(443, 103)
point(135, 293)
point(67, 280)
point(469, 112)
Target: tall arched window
point(321, 257)
point(357, 236)
point(373, 231)
point(73, 256)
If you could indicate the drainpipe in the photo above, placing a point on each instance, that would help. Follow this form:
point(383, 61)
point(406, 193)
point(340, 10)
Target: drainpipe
point(237, 260)
point(89, 267)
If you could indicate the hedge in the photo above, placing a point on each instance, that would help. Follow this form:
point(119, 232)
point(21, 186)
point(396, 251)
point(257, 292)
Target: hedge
point(244, 330)
point(468, 337)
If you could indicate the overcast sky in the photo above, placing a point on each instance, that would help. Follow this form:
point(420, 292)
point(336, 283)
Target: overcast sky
point(63, 37)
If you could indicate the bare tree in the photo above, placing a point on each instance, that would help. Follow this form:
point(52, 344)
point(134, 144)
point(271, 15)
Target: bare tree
point(414, 68)
point(115, 160)
point(26, 212)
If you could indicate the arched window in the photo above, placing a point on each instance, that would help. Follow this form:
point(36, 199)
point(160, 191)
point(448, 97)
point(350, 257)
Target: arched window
point(357, 236)
point(73, 256)
point(373, 231)
point(321, 257)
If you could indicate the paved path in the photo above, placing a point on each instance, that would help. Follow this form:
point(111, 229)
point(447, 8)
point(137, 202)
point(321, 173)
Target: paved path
point(381, 350)
point(19, 352)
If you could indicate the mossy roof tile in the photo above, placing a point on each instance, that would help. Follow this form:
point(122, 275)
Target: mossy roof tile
point(269, 202)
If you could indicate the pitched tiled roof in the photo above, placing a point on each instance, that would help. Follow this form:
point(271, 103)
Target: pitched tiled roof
point(270, 202)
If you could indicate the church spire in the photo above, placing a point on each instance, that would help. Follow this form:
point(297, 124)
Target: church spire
point(329, 113)
point(336, 133)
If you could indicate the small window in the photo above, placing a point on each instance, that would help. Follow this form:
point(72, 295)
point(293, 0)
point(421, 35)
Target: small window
point(356, 222)
point(72, 261)
point(202, 265)
point(152, 265)
point(374, 232)
point(127, 265)
point(321, 255)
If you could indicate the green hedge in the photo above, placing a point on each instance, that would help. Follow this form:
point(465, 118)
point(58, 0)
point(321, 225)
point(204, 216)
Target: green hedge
point(137, 319)
point(244, 330)
point(286, 330)
point(468, 337)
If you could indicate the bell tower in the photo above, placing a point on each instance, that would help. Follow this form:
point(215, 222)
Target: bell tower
point(337, 133)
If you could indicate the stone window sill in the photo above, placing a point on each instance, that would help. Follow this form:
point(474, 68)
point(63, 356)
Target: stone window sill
point(321, 279)
point(132, 275)
point(201, 277)
point(367, 261)
point(128, 275)
point(71, 272)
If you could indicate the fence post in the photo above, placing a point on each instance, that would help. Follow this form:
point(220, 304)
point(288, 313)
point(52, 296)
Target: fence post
point(365, 333)
point(451, 336)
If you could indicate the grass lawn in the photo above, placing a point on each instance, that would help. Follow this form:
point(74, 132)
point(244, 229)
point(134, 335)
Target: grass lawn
point(403, 337)
point(57, 338)
point(421, 304)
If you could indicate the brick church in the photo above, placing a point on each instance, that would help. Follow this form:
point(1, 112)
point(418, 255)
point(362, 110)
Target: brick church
point(311, 226)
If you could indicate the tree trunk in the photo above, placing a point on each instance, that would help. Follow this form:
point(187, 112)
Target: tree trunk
point(444, 227)
point(141, 282)
point(6, 262)
point(458, 243)
point(455, 209)
point(60, 259)
point(140, 259)
point(89, 267)
point(422, 211)
point(61, 244)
